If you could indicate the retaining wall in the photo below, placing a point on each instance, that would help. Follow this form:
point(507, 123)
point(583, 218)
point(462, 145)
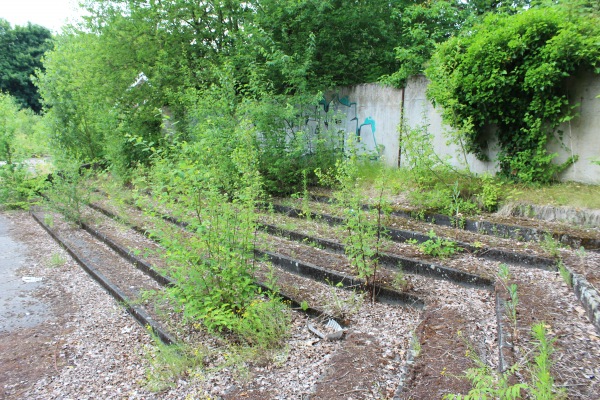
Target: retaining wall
point(374, 112)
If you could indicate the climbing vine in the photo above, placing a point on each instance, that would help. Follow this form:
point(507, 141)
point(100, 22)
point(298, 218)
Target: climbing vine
point(507, 75)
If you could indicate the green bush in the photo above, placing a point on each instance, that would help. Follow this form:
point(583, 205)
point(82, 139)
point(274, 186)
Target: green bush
point(19, 188)
point(438, 247)
point(68, 194)
point(19, 139)
point(509, 72)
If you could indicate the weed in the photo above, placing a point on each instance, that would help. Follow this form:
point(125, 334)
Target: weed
point(490, 384)
point(400, 282)
point(504, 276)
point(49, 220)
point(415, 344)
point(68, 195)
point(542, 386)
point(478, 245)
point(342, 308)
point(564, 273)
point(306, 211)
point(517, 235)
point(271, 279)
point(304, 305)
point(551, 245)
point(264, 324)
point(438, 247)
point(57, 260)
point(168, 363)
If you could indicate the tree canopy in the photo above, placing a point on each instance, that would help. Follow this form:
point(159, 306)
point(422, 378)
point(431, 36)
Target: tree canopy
point(114, 85)
point(21, 51)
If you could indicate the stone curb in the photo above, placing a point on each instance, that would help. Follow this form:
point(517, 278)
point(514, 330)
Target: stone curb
point(497, 229)
point(383, 294)
point(401, 236)
point(392, 261)
point(588, 296)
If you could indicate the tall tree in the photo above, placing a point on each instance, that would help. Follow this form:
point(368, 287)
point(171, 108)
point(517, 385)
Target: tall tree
point(424, 24)
point(21, 51)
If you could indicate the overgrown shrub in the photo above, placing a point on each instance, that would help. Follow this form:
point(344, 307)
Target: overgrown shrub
point(214, 265)
point(507, 75)
point(19, 140)
point(439, 186)
point(19, 187)
point(68, 194)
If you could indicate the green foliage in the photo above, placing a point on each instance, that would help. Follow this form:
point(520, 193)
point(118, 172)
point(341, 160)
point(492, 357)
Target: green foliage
point(551, 245)
point(423, 26)
point(70, 89)
point(21, 51)
point(438, 247)
point(9, 124)
point(57, 260)
point(264, 324)
point(166, 364)
point(401, 282)
point(426, 24)
point(294, 140)
point(21, 132)
point(352, 43)
point(440, 186)
point(68, 194)
point(109, 86)
point(362, 233)
point(19, 182)
point(508, 72)
point(490, 384)
point(542, 386)
point(214, 267)
point(565, 273)
point(19, 187)
point(491, 190)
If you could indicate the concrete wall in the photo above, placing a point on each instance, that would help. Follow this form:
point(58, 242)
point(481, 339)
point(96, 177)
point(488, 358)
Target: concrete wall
point(419, 111)
point(375, 112)
point(581, 136)
point(382, 105)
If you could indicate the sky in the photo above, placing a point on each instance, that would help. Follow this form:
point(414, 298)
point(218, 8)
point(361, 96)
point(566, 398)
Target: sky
point(51, 14)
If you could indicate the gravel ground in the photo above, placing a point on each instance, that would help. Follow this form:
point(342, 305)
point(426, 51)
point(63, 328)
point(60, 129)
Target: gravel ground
point(94, 349)
point(100, 352)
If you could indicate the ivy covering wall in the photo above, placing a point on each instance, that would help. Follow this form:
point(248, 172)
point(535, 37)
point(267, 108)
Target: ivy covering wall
point(508, 74)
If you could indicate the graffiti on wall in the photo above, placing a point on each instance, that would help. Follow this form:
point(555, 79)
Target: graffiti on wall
point(358, 130)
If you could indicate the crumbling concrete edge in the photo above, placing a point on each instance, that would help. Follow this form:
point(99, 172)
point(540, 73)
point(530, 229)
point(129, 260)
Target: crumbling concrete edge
point(588, 296)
